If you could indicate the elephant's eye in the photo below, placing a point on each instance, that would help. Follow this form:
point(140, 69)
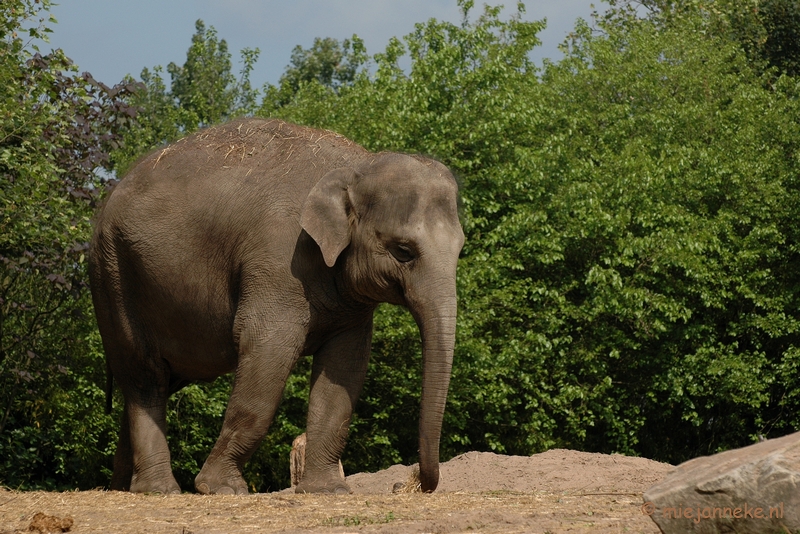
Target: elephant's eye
point(402, 253)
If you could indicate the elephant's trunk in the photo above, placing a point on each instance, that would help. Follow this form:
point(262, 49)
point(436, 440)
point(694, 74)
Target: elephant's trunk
point(436, 318)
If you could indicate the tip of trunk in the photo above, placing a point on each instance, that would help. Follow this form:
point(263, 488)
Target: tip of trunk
point(428, 481)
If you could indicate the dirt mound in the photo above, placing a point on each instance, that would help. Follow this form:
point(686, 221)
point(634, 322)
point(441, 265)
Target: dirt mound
point(554, 471)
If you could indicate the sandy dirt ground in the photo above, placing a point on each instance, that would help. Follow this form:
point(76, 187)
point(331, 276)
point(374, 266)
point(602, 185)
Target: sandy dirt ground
point(553, 492)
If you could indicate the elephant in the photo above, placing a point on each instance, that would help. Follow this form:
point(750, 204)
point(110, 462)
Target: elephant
point(245, 246)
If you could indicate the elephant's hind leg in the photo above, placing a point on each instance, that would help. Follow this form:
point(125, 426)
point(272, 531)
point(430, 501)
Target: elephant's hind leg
point(147, 420)
point(142, 460)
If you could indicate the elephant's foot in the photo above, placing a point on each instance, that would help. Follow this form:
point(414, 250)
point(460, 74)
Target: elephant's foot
point(163, 485)
point(207, 483)
point(333, 485)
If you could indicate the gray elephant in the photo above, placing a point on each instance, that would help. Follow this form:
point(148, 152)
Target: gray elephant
point(245, 246)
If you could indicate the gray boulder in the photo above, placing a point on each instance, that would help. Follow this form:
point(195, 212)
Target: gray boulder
point(754, 489)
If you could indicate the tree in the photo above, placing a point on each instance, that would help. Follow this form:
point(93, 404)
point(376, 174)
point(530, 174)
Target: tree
point(330, 63)
point(203, 91)
point(56, 131)
point(767, 30)
point(781, 21)
point(205, 87)
point(643, 260)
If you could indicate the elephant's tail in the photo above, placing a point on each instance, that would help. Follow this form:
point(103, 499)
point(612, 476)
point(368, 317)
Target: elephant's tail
point(109, 387)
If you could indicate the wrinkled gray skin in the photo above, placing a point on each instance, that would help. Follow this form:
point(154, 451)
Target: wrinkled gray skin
point(242, 248)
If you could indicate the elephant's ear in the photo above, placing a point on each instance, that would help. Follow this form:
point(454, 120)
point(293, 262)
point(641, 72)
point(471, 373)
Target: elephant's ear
point(326, 213)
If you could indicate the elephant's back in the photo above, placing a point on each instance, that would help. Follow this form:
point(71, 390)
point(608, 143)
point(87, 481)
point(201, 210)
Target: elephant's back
point(266, 165)
point(246, 172)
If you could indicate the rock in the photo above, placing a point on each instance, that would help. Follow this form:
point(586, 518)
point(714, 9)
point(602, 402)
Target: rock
point(754, 489)
point(297, 460)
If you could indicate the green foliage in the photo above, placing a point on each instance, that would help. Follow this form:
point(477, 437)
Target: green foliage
point(204, 86)
point(688, 152)
point(767, 30)
point(461, 77)
point(781, 21)
point(56, 129)
point(328, 63)
point(666, 200)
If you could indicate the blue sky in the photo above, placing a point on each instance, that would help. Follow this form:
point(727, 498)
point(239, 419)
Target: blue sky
point(111, 38)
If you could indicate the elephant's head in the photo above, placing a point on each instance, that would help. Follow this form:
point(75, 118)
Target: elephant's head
point(392, 226)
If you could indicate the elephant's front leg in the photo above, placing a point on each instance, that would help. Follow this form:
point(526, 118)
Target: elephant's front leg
point(267, 355)
point(338, 373)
